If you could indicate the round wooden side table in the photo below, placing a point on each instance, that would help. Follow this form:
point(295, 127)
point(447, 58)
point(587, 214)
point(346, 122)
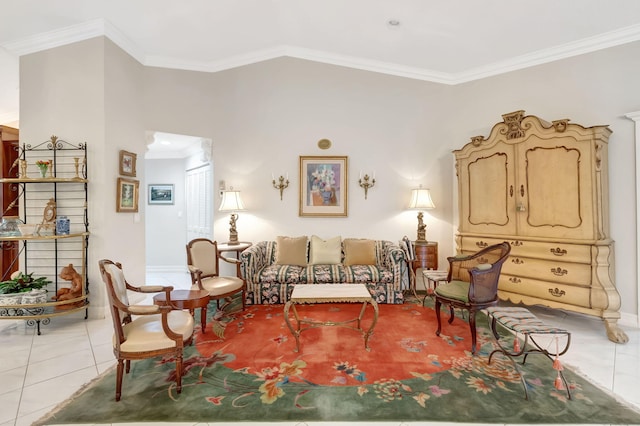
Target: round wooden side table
point(187, 299)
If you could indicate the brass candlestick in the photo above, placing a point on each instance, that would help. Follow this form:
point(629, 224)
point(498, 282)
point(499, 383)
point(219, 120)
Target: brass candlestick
point(366, 184)
point(281, 185)
point(76, 164)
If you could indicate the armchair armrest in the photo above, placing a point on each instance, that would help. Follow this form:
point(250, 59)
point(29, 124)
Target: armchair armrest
point(230, 260)
point(153, 288)
point(144, 309)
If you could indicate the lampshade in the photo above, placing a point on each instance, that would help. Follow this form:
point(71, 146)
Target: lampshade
point(421, 199)
point(231, 202)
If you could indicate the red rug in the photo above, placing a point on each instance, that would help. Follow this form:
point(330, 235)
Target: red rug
point(403, 343)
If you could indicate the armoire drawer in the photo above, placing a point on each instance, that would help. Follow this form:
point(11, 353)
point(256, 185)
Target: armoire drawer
point(561, 293)
point(579, 253)
point(548, 270)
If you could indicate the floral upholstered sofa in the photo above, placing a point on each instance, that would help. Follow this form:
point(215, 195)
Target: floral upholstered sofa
point(273, 268)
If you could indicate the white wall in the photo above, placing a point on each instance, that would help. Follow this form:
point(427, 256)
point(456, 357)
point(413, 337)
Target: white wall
point(165, 224)
point(91, 92)
point(262, 117)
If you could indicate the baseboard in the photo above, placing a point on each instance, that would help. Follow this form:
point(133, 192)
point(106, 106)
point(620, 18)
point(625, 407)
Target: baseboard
point(166, 269)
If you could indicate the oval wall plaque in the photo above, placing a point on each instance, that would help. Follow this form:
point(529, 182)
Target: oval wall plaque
point(324, 144)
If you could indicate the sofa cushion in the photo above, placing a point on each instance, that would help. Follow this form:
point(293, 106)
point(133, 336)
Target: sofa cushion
point(359, 252)
point(291, 251)
point(325, 252)
point(324, 274)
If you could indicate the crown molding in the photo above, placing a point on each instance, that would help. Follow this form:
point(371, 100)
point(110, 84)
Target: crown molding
point(563, 51)
point(101, 27)
point(369, 65)
point(215, 66)
point(56, 38)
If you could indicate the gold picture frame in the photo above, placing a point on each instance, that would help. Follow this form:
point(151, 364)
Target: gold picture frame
point(323, 186)
point(127, 195)
point(127, 163)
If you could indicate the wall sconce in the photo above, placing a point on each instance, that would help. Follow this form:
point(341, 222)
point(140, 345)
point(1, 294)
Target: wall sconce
point(365, 183)
point(231, 202)
point(282, 183)
point(421, 200)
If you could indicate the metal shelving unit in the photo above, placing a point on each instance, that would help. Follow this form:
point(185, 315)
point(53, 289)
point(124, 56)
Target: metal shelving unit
point(45, 253)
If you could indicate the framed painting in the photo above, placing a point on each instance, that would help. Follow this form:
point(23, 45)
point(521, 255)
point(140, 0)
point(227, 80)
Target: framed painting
point(160, 193)
point(323, 186)
point(127, 195)
point(127, 163)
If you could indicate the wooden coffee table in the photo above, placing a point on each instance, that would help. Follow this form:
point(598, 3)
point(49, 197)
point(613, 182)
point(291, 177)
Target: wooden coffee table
point(187, 299)
point(330, 293)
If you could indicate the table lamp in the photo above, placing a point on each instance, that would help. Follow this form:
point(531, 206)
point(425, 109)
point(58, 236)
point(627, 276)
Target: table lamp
point(421, 200)
point(231, 202)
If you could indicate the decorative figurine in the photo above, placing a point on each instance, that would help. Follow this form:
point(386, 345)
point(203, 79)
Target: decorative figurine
point(69, 273)
point(48, 225)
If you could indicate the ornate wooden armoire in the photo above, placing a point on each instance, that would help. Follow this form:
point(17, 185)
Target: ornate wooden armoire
point(543, 187)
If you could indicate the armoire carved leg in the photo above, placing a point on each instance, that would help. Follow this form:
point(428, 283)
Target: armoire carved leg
point(614, 332)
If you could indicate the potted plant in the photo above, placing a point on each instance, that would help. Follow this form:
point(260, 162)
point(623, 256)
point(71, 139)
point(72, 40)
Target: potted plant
point(23, 288)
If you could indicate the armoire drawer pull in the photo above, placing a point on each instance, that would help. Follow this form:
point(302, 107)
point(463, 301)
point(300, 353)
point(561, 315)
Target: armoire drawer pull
point(515, 280)
point(516, 243)
point(556, 292)
point(559, 271)
point(517, 261)
point(482, 244)
point(558, 251)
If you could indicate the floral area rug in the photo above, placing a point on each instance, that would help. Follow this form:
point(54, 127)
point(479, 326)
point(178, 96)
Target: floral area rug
point(244, 368)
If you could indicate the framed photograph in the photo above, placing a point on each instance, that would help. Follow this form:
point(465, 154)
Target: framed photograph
point(127, 163)
point(323, 186)
point(127, 197)
point(160, 193)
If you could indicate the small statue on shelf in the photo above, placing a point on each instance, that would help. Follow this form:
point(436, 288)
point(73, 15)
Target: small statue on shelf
point(67, 293)
point(23, 168)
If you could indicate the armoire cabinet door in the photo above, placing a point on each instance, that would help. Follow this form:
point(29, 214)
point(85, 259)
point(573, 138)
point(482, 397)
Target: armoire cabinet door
point(487, 191)
point(556, 182)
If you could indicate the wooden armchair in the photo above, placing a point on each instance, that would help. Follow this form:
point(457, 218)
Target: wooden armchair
point(155, 330)
point(472, 284)
point(203, 261)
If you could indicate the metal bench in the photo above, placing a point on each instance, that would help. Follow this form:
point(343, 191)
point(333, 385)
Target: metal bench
point(523, 323)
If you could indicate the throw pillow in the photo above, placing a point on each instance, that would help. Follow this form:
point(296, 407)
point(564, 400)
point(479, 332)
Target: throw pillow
point(359, 252)
point(291, 251)
point(325, 252)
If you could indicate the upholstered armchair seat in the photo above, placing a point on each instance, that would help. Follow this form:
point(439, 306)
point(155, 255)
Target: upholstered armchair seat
point(220, 286)
point(457, 290)
point(145, 333)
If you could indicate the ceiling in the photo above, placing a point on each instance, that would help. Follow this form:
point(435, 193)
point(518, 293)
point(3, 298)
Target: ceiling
point(444, 41)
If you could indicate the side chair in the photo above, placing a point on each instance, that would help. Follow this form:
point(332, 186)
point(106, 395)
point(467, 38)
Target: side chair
point(154, 331)
point(472, 284)
point(203, 261)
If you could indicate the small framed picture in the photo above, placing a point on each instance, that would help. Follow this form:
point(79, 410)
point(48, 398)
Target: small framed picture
point(160, 193)
point(127, 197)
point(127, 163)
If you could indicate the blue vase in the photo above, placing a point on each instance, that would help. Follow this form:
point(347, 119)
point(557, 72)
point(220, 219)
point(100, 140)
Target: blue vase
point(63, 224)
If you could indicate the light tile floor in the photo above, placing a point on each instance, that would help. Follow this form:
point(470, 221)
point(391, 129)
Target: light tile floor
point(39, 372)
